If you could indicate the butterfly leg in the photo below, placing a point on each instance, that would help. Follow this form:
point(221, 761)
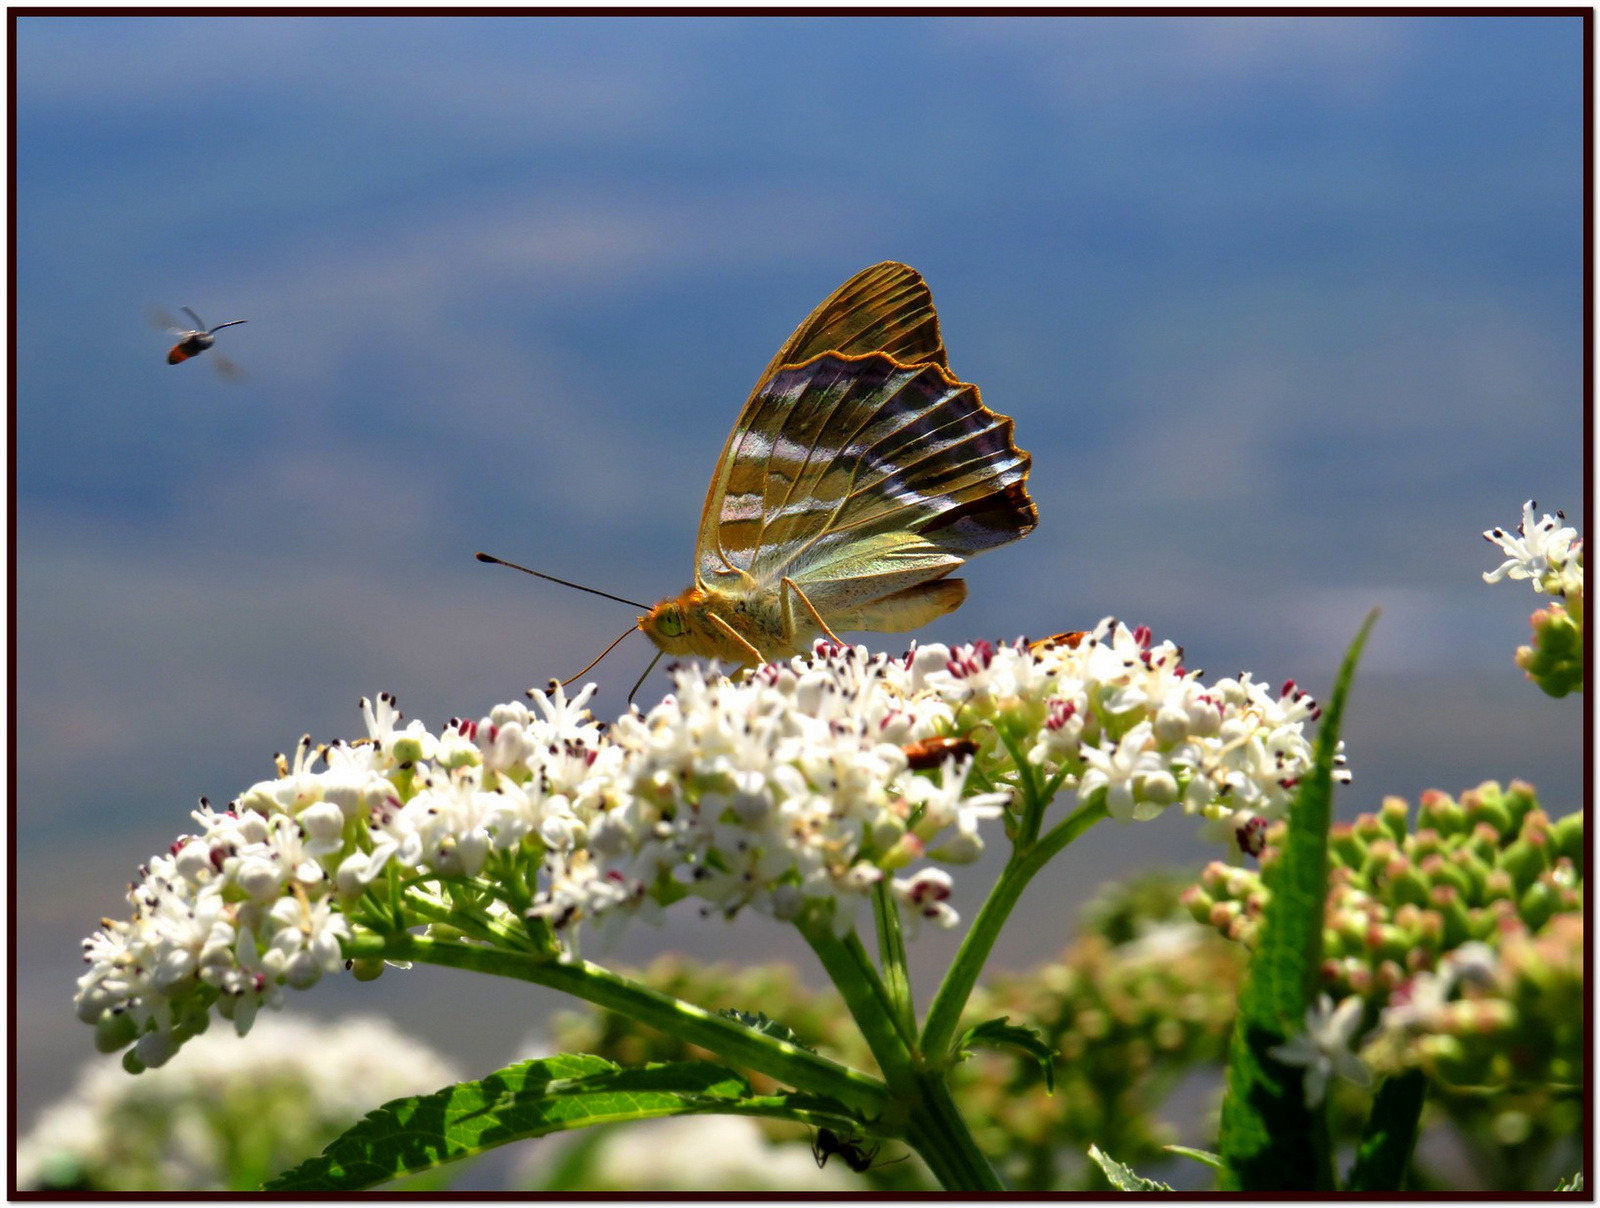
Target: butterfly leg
point(788, 612)
point(756, 658)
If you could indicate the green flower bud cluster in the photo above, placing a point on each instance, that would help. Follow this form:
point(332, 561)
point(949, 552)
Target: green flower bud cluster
point(1463, 935)
point(1555, 659)
point(1520, 1025)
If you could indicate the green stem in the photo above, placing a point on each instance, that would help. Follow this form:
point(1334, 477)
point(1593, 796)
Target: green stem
point(939, 1133)
point(787, 1063)
point(892, 958)
point(951, 999)
point(1033, 801)
point(864, 994)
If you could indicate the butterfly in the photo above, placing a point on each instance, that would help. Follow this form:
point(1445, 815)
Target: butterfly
point(858, 476)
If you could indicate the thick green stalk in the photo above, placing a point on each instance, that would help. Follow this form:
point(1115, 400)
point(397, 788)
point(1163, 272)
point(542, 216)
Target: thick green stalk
point(787, 1063)
point(939, 1133)
point(945, 1013)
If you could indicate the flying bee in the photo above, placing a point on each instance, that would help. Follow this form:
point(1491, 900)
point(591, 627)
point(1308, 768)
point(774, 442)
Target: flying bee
point(193, 341)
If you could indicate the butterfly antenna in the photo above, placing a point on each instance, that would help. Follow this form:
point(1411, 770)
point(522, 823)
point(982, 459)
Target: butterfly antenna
point(602, 655)
point(229, 323)
point(642, 678)
point(537, 574)
point(200, 324)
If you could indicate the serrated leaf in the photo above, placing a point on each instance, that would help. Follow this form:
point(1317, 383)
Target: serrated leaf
point(1390, 1135)
point(530, 1099)
point(767, 1027)
point(1001, 1033)
point(1269, 1139)
point(1199, 1155)
point(1120, 1176)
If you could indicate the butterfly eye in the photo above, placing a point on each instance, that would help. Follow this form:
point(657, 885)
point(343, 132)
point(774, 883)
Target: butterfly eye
point(669, 622)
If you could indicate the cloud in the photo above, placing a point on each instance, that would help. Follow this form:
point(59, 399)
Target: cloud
point(1169, 70)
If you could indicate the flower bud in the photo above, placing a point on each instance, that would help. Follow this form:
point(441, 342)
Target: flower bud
point(1393, 816)
point(1538, 902)
point(1440, 812)
point(1346, 846)
point(1458, 924)
point(114, 1030)
point(1405, 883)
point(1485, 806)
point(1525, 860)
point(1567, 834)
point(1198, 903)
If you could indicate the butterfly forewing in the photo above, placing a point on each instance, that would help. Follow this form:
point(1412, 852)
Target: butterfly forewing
point(859, 478)
point(886, 308)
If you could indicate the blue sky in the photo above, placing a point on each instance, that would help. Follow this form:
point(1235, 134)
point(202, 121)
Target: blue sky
point(1287, 311)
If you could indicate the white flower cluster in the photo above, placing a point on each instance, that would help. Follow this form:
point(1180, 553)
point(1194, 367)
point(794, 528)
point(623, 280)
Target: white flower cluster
point(1546, 551)
point(231, 1115)
point(796, 788)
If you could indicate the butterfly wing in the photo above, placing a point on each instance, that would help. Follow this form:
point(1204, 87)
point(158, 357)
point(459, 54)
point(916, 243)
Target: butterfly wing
point(885, 308)
point(866, 480)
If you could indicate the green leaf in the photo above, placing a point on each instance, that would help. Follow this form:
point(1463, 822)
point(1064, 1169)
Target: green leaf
point(1269, 1139)
point(1121, 1177)
point(999, 1033)
point(767, 1027)
point(1575, 1183)
point(530, 1099)
point(1199, 1155)
point(1390, 1135)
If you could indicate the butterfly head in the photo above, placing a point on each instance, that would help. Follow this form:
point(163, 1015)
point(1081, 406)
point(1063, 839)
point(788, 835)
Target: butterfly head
point(679, 625)
point(665, 625)
point(703, 624)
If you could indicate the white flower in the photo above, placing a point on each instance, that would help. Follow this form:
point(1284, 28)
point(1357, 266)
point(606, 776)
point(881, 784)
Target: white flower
point(944, 804)
point(405, 746)
point(1325, 1047)
point(1538, 547)
point(927, 895)
point(1418, 1003)
point(1133, 774)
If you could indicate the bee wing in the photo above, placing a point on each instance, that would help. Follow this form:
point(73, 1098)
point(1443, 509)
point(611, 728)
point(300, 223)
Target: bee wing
point(227, 368)
point(162, 319)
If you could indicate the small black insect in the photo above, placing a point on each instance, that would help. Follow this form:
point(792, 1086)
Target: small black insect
point(829, 1143)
